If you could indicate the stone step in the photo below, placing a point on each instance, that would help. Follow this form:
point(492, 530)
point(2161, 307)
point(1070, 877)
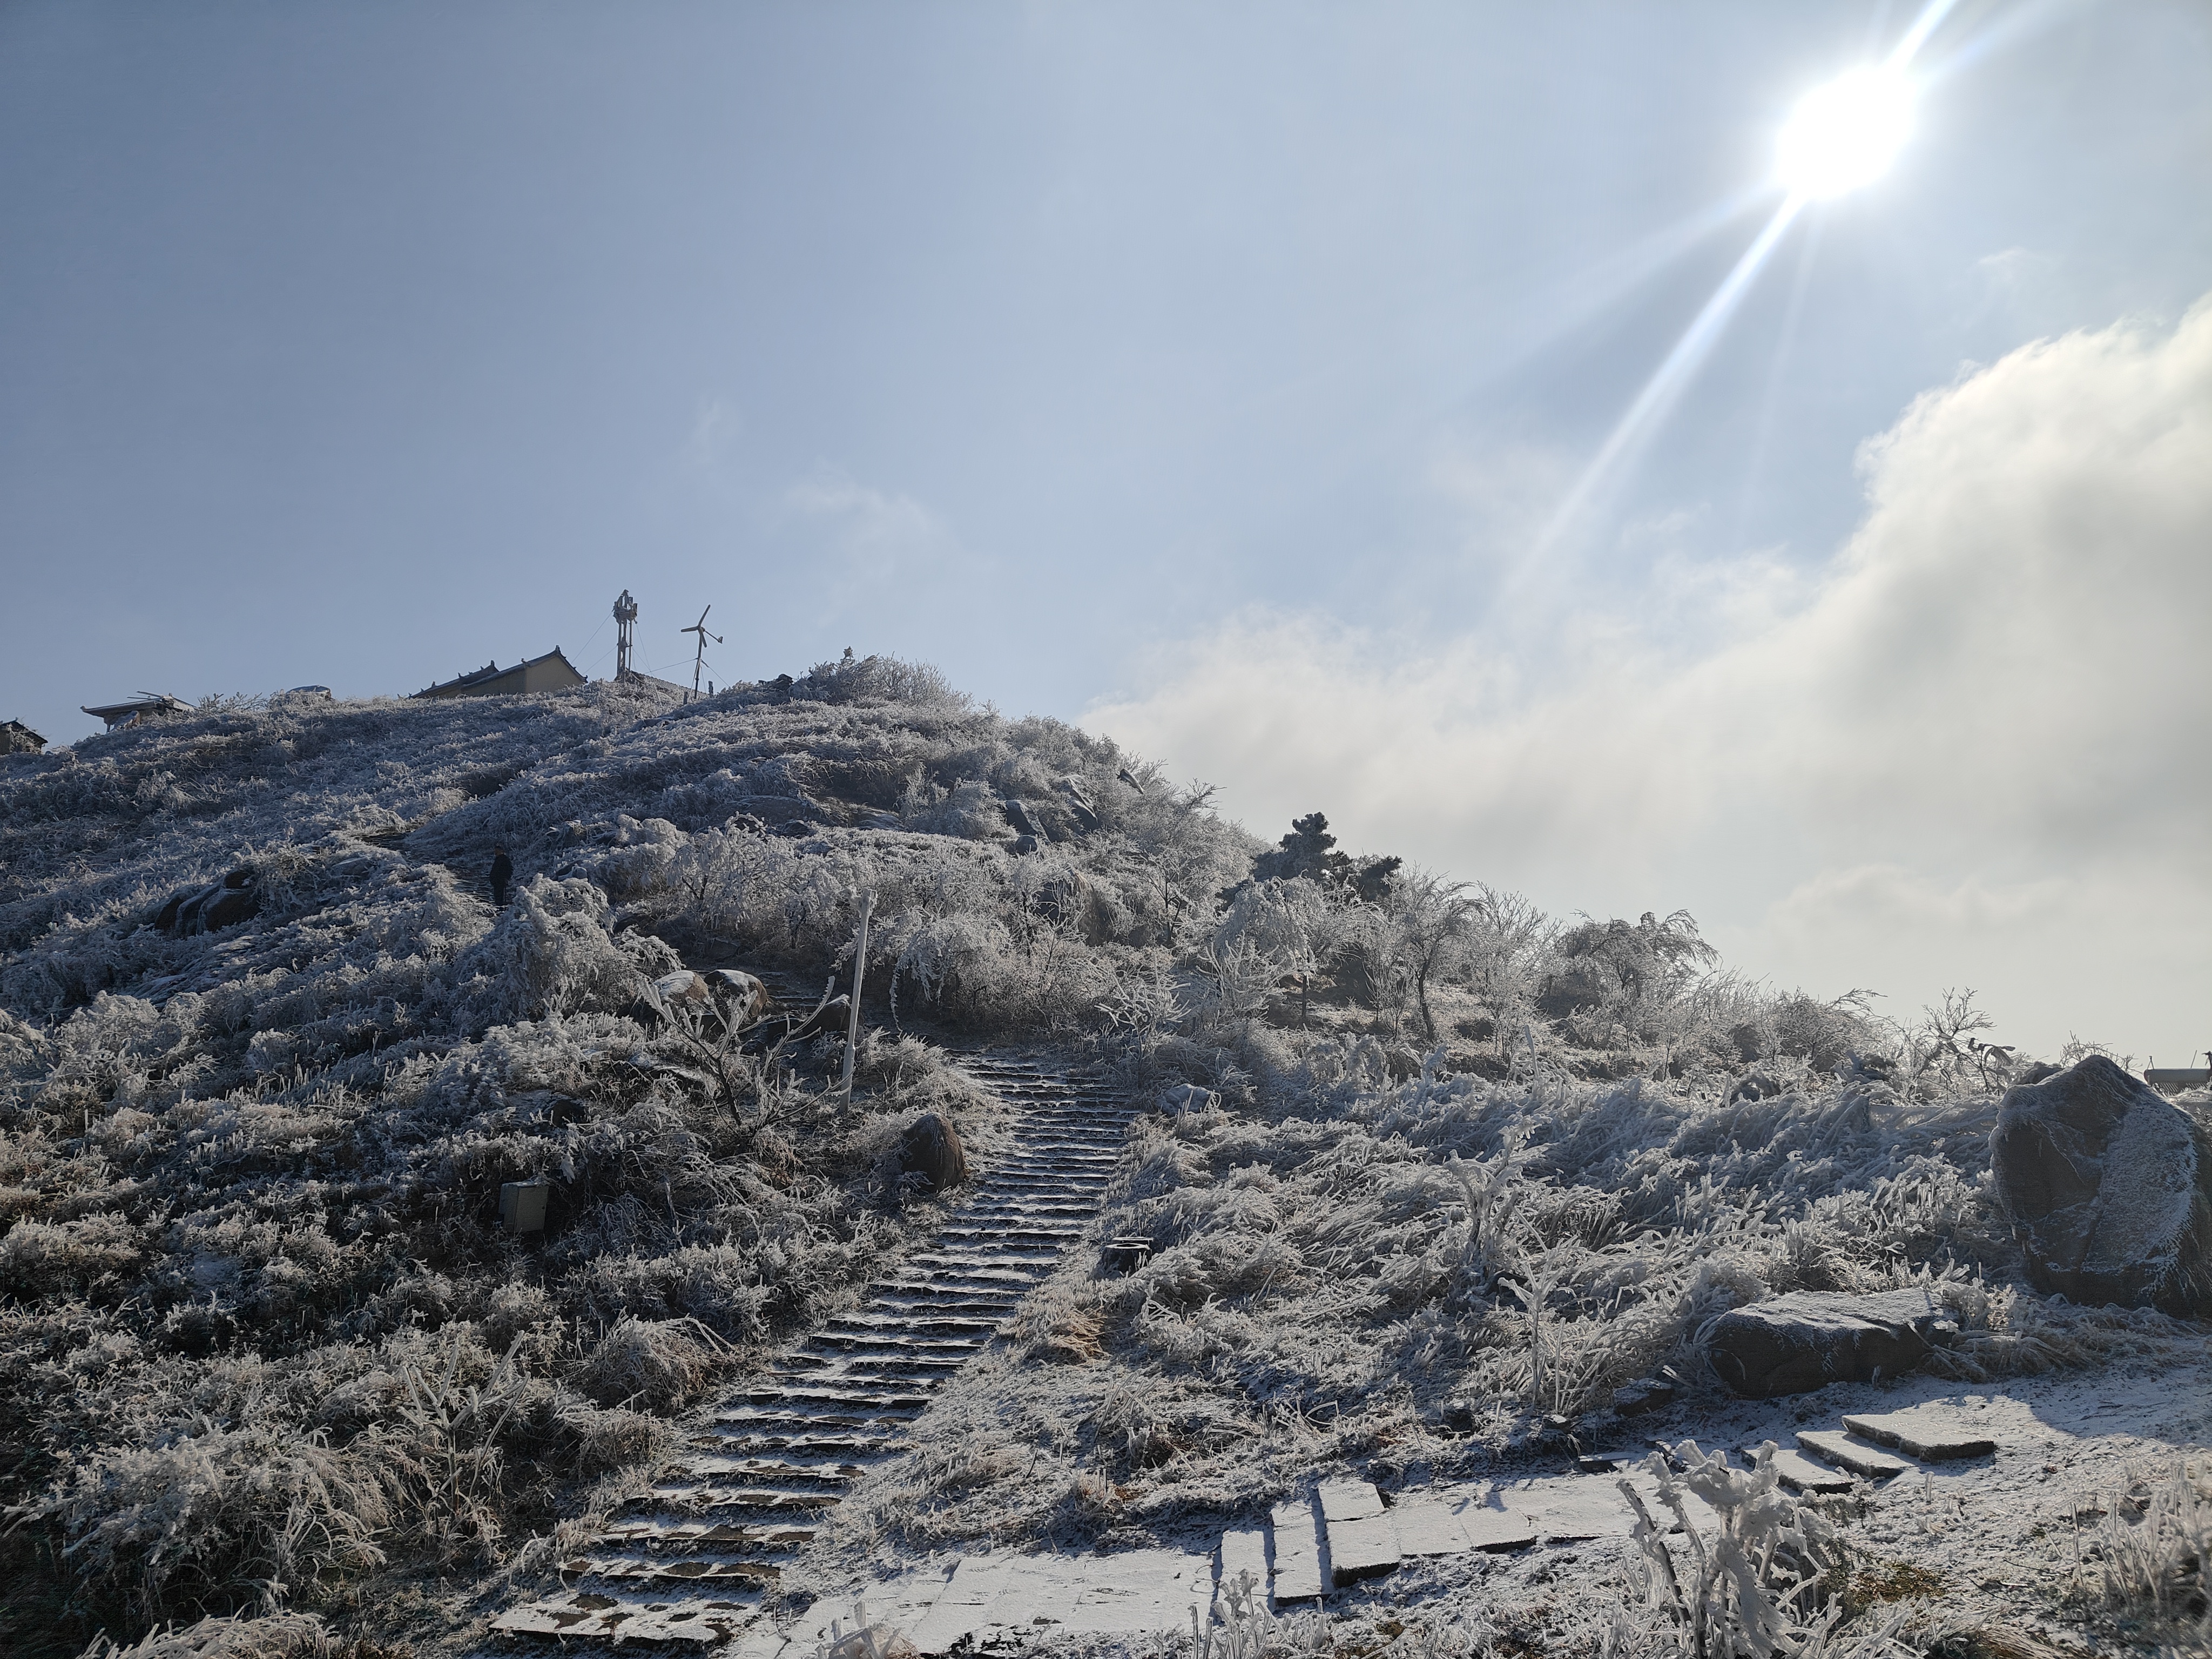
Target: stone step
point(895, 1366)
point(676, 1531)
point(872, 1397)
point(926, 1325)
point(754, 1440)
point(587, 1615)
point(894, 1343)
point(1846, 1452)
point(762, 1500)
point(1802, 1474)
point(1932, 1433)
point(774, 1472)
point(674, 1569)
point(924, 1299)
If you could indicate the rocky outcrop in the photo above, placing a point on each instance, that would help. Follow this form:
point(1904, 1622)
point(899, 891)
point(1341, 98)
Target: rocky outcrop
point(931, 1149)
point(1805, 1340)
point(734, 999)
point(2108, 1187)
point(208, 909)
point(1080, 804)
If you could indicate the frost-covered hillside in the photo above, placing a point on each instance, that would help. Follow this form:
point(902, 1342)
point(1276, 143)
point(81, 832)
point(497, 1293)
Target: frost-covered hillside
point(1431, 1167)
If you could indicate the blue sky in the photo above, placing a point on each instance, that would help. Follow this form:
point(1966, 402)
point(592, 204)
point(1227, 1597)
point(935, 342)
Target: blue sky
point(1173, 367)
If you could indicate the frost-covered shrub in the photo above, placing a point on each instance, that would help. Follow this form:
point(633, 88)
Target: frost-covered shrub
point(274, 1635)
point(659, 1364)
point(551, 955)
point(174, 1524)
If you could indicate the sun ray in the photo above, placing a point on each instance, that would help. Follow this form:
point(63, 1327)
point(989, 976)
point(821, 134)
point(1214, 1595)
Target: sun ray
point(1665, 387)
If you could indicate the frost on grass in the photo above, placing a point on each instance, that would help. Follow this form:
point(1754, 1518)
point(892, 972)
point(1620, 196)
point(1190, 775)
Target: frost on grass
point(264, 1349)
point(262, 1345)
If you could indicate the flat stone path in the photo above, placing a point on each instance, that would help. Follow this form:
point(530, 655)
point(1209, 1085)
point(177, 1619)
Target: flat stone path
point(691, 1566)
point(1344, 1531)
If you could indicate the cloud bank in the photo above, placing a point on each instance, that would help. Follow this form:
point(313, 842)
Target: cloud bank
point(1975, 749)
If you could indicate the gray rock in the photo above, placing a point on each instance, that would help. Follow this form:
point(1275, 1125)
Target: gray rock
point(1645, 1394)
point(930, 1148)
point(740, 999)
point(229, 908)
point(1805, 1340)
point(1078, 803)
point(2108, 1187)
point(219, 904)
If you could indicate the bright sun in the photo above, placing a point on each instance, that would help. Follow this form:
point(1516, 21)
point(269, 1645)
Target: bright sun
point(1844, 134)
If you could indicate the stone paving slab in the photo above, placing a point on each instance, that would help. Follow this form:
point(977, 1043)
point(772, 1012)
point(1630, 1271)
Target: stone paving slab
point(1846, 1452)
point(1427, 1525)
point(959, 1608)
point(1803, 1474)
point(1364, 1548)
point(1131, 1594)
point(990, 1598)
point(1933, 1433)
point(1345, 1499)
point(1495, 1529)
point(1244, 1551)
point(1298, 1541)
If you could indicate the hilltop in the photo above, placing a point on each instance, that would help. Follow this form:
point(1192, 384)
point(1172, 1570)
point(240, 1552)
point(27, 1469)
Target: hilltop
point(268, 1053)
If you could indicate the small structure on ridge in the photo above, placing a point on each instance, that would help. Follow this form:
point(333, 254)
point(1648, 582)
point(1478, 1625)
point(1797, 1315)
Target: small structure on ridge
point(144, 707)
point(551, 672)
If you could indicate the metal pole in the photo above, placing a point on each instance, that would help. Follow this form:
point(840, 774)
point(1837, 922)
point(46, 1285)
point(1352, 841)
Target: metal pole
point(859, 966)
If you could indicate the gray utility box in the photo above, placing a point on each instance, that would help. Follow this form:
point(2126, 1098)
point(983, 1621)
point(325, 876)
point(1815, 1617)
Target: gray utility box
point(522, 1205)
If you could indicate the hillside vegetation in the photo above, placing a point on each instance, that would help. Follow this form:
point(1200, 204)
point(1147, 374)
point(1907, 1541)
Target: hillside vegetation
point(265, 1346)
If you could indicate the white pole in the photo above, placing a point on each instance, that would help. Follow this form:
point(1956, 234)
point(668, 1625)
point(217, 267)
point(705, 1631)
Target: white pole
point(859, 966)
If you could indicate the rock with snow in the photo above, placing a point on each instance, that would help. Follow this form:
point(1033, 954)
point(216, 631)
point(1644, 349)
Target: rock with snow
point(1646, 1394)
point(1185, 1098)
point(1805, 1340)
point(740, 999)
point(931, 1149)
point(1078, 803)
point(210, 909)
point(2108, 1187)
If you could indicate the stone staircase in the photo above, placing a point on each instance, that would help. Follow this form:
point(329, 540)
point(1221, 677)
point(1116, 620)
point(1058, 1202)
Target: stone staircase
point(691, 1566)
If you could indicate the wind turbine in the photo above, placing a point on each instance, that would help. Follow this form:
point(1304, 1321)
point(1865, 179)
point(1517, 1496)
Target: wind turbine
point(699, 663)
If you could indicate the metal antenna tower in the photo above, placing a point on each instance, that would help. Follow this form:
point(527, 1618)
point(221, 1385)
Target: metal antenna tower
point(699, 663)
point(625, 623)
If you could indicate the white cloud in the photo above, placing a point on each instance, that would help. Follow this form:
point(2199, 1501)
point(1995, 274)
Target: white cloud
point(876, 536)
point(716, 426)
point(1974, 753)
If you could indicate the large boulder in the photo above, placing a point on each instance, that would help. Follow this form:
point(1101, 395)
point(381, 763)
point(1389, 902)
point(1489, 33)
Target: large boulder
point(2108, 1187)
point(1805, 1340)
point(930, 1148)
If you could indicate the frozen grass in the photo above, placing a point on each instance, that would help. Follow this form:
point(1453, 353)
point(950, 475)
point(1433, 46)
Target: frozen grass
point(262, 1341)
point(263, 1347)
